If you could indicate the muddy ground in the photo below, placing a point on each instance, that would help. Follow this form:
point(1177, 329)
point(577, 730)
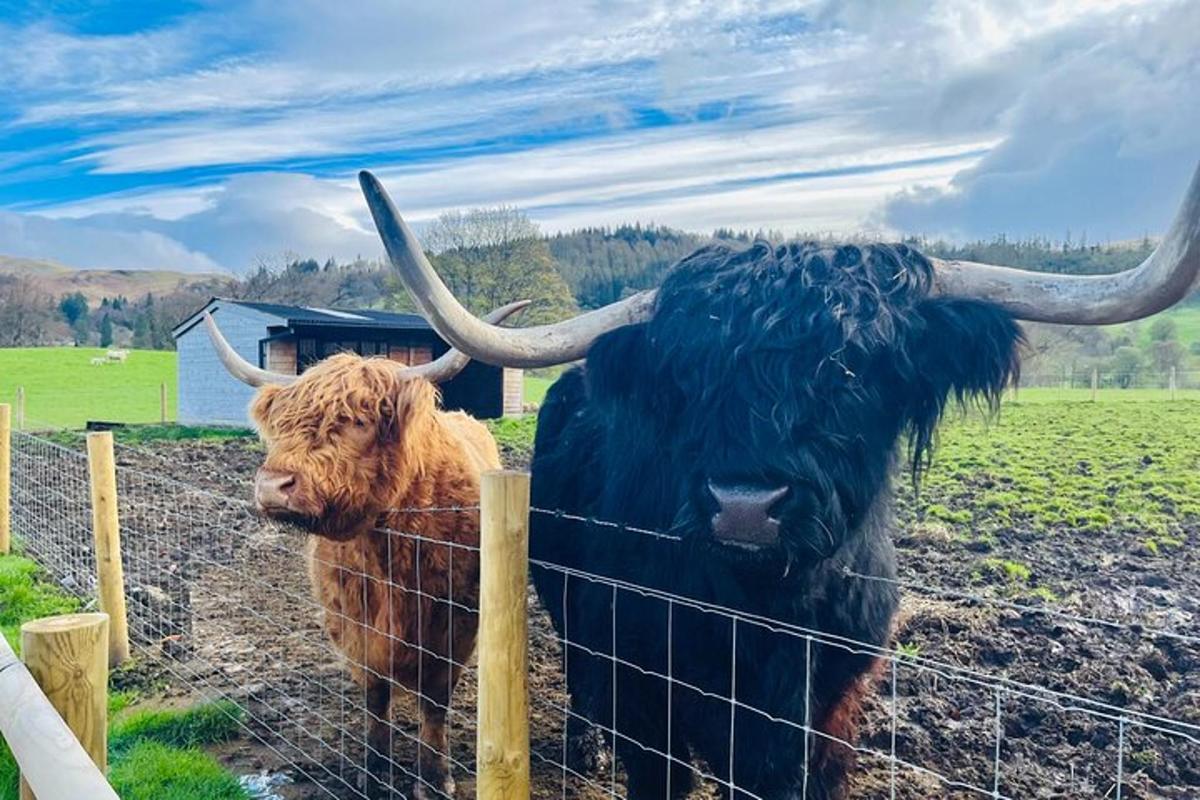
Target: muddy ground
point(221, 607)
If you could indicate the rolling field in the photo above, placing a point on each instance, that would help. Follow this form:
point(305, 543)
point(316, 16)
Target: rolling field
point(63, 389)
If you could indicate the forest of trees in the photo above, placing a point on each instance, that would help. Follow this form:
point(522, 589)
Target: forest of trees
point(488, 257)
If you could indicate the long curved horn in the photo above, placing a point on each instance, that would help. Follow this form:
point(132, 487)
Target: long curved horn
point(239, 367)
point(440, 370)
point(453, 361)
point(1162, 280)
point(538, 346)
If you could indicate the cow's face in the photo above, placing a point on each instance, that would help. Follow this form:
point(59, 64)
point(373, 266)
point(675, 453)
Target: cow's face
point(335, 443)
point(765, 397)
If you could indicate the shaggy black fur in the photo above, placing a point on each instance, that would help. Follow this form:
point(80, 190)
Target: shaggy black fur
point(801, 366)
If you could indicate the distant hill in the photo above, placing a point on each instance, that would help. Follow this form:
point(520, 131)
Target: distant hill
point(95, 284)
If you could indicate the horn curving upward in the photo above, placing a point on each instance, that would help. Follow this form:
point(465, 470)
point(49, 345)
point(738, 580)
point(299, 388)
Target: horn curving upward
point(1159, 282)
point(439, 370)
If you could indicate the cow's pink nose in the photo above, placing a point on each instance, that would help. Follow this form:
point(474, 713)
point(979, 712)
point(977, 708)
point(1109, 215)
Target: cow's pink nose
point(272, 489)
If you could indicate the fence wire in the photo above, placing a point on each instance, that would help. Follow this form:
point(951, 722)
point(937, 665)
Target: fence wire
point(222, 601)
point(937, 725)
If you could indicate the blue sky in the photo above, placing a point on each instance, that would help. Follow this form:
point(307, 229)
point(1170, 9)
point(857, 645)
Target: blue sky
point(210, 135)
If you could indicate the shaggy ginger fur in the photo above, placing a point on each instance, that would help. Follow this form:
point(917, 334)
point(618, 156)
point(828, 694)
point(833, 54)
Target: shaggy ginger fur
point(364, 444)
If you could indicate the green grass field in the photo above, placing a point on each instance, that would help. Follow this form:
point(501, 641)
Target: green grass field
point(63, 389)
point(1039, 466)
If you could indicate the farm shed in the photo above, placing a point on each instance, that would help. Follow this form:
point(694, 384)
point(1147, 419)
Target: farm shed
point(289, 339)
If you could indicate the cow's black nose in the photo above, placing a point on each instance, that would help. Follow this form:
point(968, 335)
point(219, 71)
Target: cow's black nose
point(744, 513)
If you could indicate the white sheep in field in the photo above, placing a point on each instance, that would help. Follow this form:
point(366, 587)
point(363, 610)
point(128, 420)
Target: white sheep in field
point(117, 355)
point(99, 361)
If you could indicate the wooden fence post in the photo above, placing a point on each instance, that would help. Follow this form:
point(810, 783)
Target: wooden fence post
point(1171, 382)
point(67, 656)
point(1095, 382)
point(106, 529)
point(20, 420)
point(162, 403)
point(502, 748)
point(5, 478)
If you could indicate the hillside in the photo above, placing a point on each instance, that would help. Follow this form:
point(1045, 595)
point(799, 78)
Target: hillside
point(95, 284)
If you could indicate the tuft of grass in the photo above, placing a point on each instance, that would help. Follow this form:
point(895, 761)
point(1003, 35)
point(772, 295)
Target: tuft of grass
point(24, 597)
point(514, 435)
point(1010, 571)
point(152, 770)
point(205, 724)
point(10, 776)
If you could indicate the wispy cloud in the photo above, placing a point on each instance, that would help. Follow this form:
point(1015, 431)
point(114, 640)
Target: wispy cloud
point(233, 130)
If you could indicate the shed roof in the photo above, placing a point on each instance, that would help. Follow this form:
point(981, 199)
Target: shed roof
point(294, 316)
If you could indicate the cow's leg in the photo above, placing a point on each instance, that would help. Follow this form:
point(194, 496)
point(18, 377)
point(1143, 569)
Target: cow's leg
point(376, 782)
point(647, 773)
point(587, 752)
point(833, 758)
point(433, 761)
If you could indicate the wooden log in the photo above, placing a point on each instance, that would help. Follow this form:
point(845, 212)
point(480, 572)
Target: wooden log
point(54, 708)
point(502, 747)
point(106, 530)
point(5, 478)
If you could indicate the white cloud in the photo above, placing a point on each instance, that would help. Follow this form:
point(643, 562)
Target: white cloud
point(1101, 140)
point(92, 244)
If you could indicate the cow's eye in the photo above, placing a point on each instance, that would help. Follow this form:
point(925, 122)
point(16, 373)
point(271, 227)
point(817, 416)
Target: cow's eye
point(358, 423)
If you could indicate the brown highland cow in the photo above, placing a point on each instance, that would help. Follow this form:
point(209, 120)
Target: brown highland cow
point(356, 447)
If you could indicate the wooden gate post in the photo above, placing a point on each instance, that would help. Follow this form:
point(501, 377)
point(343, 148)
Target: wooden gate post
point(68, 658)
point(5, 478)
point(502, 748)
point(1172, 384)
point(20, 410)
point(162, 403)
point(106, 529)
point(1095, 382)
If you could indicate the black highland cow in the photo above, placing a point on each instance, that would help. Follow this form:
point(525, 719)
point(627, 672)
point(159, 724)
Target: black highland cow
point(755, 415)
point(754, 407)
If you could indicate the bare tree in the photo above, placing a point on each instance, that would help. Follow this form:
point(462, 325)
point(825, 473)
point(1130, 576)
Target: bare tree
point(26, 313)
point(492, 256)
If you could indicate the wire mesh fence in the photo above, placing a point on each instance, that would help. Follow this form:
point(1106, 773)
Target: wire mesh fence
point(312, 640)
point(1105, 384)
point(225, 603)
point(938, 725)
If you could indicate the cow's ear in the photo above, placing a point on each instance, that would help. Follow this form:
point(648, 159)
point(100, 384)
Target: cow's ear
point(260, 406)
point(408, 402)
point(615, 363)
point(960, 351)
